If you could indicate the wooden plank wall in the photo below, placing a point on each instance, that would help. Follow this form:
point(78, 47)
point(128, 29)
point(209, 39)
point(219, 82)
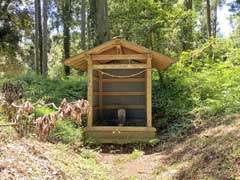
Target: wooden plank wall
point(90, 92)
point(147, 93)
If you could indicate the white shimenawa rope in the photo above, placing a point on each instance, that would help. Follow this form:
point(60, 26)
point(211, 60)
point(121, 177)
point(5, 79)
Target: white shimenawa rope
point(116, 76)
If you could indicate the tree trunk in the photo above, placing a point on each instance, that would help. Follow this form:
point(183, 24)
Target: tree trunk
point(36, 36)
point(92, 18)
point(45, 38)
point(188, 4)
point(215, 18)
point(102, 32)
point(209, 19)
point(83, 25)
point(66, 33)
point(98, 21)
point(40, 37)
point(89, 31)
point(188, 30)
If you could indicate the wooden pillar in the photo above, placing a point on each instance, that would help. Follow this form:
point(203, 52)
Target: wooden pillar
point(149, 91)
point(100, 82)
point(90, 92)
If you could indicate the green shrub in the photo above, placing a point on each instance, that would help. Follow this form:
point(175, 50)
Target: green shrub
point(51, 90)
point(207, 85)
point(135, 155)
point(66, 132)
point(41, 111)
point(204, 82)
point(7, 133)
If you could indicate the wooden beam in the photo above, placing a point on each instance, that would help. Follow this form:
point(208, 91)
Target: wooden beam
point(119, 128)
point(134, 47)
point(119, 57)
point(121, 93)
point(119, 49)
point(120, 66)
point(124, 106)
point(149, 91)
point(124, 80)
point(120, 106)
point(100, 100)
point(90, 92)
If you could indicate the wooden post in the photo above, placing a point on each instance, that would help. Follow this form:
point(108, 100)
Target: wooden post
point(100, 82)
point(119, 49)
point(149, 91)
point(90, 92)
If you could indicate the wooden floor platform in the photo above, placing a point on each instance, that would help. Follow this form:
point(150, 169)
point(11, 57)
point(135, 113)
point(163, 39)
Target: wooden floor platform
point(118, 134)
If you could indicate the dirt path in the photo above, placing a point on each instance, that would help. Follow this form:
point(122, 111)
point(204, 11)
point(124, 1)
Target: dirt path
point(141, 168)
point(24, 160)
point(31, 159)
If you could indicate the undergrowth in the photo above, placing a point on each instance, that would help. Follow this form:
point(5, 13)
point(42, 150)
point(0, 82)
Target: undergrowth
point(203, 83)
point(50, 90)
point(204, 86)
point(66, 131)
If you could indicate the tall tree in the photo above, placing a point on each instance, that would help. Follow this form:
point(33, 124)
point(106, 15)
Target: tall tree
point(209, 18)
point(235, 9)
point(188, 4)
point(102, 31)
point(215, 5)
point(66, 32)
point(45, 38)
point(39, 11)
point(83, 25)
point(214, 24)
point(188, 29)
point(99, 21)
point(15, 23)
point(36, 36)
point(92, 18)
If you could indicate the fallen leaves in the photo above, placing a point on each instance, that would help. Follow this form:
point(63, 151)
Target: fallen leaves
point(66, 110)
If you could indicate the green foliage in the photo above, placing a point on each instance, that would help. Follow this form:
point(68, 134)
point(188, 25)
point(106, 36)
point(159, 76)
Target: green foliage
point(135, 155)
point(89, 154)
point(7, 133)
point(51, 90)
point(158, 26)
point(66, 132)
point(16, 22)
point(41, 111)
point(212, 153)
point(199, 86)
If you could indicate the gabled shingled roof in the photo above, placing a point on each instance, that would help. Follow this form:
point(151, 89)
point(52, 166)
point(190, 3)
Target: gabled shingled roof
point(79, 61)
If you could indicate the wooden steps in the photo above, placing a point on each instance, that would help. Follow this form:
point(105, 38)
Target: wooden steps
point(118, 134)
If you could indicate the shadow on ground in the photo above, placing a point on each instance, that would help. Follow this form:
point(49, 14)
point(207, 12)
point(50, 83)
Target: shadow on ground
point(211, 152)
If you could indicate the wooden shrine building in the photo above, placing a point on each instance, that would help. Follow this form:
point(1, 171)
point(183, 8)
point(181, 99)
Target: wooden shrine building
point(119, 90)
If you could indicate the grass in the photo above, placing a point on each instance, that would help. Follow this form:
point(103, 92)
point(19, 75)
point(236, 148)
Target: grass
point(41, 111)
point(66, 132)
point(7, 133)
point(31, 159)
point(78, 166)
point(193, 108)
point(211, 152)
point(136, 154)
